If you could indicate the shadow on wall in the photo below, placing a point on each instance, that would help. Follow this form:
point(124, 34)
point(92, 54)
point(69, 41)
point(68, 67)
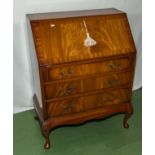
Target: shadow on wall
point(22, 88)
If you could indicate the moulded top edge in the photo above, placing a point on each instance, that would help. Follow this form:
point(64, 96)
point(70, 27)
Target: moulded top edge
point(65, 14)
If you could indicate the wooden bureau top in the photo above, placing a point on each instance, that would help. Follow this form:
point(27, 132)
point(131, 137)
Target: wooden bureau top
point(59, 37)
point(65, 14)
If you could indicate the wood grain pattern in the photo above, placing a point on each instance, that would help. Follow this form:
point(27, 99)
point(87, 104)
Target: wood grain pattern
point(85, 103)
point(65, 41)
point(81, 83)
point(81, 117)
point(78, 70)
point(78, 118)
point(62, 89)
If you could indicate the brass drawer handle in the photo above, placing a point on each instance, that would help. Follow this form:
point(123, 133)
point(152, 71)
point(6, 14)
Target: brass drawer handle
point(70, 72)
point(66, 74)
point(70, 89)
point(62, 73)
point(114, 66)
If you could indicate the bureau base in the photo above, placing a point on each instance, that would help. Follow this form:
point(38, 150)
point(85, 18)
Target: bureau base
point(49, 124)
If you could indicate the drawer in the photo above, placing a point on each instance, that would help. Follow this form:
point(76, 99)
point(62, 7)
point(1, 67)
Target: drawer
point(84, 103)
point(77, 70)
point(61, 89)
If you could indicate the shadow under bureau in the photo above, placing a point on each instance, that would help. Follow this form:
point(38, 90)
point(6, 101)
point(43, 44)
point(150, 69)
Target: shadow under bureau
point(83, 66)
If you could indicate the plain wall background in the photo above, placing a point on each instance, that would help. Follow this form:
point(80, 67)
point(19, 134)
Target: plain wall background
point(23, 81)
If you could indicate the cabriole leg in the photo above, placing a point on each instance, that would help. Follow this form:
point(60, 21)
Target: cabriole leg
point(125, 121)
point(47, 142)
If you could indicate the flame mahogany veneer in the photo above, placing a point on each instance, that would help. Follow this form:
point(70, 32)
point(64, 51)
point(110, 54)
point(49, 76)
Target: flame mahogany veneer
point(73, 83)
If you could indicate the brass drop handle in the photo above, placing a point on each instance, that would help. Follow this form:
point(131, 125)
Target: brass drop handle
point(70, 89)
point(69, 72)
point(66, 74)
point(62, 73)
point(114, 66)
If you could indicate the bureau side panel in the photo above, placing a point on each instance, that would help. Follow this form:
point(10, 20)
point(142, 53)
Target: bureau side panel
point(34, 64)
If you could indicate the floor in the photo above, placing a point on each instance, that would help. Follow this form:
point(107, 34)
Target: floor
point(104, 137)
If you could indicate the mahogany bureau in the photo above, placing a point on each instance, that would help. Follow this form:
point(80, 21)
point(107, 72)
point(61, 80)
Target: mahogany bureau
point(83, 66)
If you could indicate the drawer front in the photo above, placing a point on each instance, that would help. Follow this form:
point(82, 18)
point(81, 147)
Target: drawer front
point(77, 70)
point(80, 104)
point(108, 81)
point(62, 89)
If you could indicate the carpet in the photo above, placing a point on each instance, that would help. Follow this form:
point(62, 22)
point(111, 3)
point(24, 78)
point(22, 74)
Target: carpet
point(103, 137)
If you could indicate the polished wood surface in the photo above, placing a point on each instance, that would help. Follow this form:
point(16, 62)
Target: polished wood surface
point(75, 105)
point(78, 70)
point(61, 89)
point(79, 83)
point(64, 41)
